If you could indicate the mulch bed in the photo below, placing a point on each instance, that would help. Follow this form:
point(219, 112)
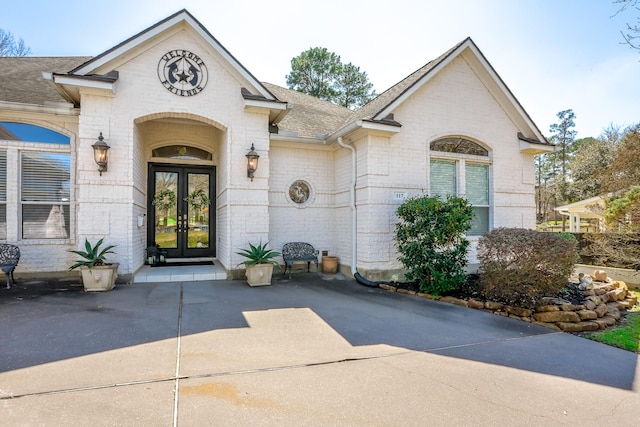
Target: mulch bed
point(470, 289)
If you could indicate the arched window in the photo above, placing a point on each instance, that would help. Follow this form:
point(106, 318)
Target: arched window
point(462, 172)
point(31, 133)
point(181, 152)
point(458, 145)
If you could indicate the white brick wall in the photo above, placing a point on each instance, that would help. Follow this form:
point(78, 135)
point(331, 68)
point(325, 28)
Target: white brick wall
point(143, 114)
point(455, 102)
point(314, 221)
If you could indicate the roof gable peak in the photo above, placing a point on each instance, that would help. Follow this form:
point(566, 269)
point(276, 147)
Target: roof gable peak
point(182, 17)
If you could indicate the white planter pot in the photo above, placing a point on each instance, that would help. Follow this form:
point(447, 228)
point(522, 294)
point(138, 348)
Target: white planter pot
point(259, 274)
point(99, 278)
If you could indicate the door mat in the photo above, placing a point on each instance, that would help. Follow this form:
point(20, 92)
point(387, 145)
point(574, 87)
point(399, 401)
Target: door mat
point(182, 263)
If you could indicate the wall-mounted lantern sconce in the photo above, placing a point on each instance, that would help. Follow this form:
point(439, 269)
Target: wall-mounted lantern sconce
point(100, 153)
point(252, 162)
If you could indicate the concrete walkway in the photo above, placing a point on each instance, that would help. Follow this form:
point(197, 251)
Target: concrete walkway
point(305, 351)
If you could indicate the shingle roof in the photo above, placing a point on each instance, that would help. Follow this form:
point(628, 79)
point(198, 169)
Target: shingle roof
point(309, 116)
point(22, 79)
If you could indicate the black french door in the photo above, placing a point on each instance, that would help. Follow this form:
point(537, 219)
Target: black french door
point(181, 210)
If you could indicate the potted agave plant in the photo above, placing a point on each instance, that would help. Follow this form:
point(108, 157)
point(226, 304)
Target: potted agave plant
point(259, 263)
point(97, 275)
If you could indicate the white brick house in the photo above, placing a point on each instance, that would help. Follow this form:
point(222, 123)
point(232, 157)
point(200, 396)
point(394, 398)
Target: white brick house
point(180, 113)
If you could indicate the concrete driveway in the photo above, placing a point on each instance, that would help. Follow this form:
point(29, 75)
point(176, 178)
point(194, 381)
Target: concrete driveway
point(305, 351)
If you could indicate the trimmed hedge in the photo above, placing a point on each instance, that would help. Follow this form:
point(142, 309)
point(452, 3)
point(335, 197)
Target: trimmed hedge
point(521, 266)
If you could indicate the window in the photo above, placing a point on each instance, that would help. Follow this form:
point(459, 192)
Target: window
point(44, 195)
point(36, 162)
point(3, 195)
point(182, 152)
point(31, 133)
point(462, 171)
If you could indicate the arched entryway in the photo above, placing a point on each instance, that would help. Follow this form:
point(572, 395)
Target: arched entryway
point(183, 154)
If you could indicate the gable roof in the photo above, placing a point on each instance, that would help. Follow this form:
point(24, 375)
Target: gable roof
point(307, 116)
point(312, 117)
point(179, 18)
point(374, 109)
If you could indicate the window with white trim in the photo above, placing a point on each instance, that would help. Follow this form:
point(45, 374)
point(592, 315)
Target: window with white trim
point(460, 168)
point(39, 160)
point(3, 195)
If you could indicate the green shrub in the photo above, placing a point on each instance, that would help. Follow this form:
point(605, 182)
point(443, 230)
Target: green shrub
point(568, 236)
point(430, 239)
point(521, 266)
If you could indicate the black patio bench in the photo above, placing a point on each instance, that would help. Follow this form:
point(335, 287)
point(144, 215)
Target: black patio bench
point(298, 252)
point(9, 257)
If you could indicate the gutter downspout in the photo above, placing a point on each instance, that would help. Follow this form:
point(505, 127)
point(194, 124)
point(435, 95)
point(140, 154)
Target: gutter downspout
point(354, 219)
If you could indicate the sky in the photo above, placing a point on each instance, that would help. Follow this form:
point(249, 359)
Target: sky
point(553, 55)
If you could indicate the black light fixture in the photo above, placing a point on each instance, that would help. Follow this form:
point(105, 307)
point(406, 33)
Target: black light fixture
point(252, 162)
point(100, 149)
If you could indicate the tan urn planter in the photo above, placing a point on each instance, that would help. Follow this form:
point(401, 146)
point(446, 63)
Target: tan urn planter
point(329, 264)
point(259, 274)
point(99, 278)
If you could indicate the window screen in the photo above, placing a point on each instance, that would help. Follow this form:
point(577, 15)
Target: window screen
point(44, 195)
point(442, 178)
point(477, 190)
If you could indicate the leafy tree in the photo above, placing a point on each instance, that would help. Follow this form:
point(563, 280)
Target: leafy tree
point(9, 46)
point(563, 136)
point(313, 72)
point(624, 171)
point(591, 160)
point(354, 87)
point(320, 73)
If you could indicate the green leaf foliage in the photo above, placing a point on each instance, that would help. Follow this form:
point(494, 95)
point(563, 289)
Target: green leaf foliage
point(431, 240)
point(258, 254)
point(320, 73)
point(92, 255)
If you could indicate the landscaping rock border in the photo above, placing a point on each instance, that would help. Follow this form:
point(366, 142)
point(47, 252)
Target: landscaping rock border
point(605, 302)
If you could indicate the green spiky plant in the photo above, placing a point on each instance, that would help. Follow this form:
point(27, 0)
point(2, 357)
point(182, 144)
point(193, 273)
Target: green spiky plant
point(93, 255)
point(258, 254)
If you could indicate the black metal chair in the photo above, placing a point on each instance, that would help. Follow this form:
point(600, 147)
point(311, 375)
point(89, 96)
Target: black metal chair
point(9, 257)
point(299, 251)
